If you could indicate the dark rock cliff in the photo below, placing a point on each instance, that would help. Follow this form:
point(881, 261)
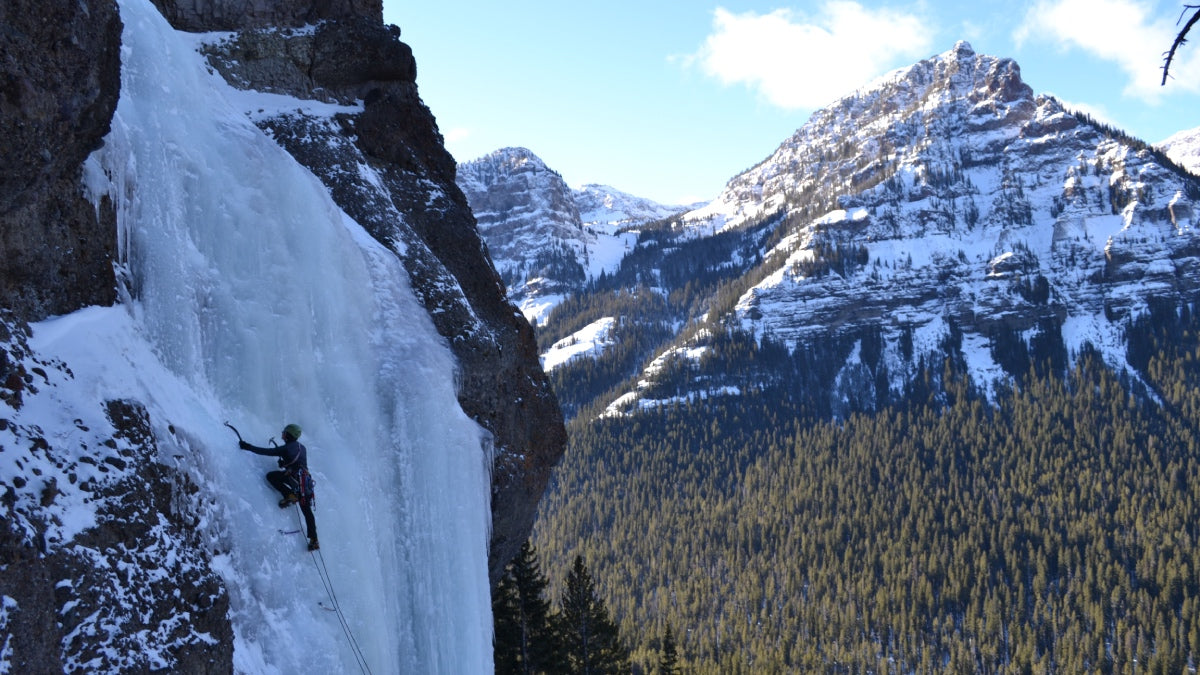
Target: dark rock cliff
point(207, 15)
point(59, 81)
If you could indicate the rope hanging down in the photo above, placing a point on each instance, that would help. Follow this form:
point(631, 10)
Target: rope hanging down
point(323, 572)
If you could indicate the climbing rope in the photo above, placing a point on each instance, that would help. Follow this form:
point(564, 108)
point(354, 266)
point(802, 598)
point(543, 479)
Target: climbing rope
point(323, 572)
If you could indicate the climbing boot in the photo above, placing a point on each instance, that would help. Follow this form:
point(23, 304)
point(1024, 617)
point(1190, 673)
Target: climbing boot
point(313, 545)
point(288, 501)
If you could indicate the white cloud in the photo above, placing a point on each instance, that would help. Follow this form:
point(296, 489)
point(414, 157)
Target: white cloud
point(796, 62)
point(1097, 112)
point(457, 135)
point(971, 31)
point(1132, 34)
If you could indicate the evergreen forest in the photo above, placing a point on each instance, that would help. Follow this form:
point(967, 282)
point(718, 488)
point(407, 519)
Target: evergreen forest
point(1050, 529)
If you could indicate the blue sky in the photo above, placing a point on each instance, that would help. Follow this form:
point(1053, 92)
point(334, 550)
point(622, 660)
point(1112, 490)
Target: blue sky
point(669, 100)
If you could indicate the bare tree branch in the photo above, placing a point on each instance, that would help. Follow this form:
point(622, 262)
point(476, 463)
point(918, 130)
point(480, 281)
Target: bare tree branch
point(1181, 38)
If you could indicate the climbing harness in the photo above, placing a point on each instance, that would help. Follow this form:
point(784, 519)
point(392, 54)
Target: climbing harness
point(306, 486)
point(323, 572)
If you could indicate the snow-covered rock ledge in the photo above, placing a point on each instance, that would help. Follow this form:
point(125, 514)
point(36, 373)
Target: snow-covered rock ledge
point(102, 568)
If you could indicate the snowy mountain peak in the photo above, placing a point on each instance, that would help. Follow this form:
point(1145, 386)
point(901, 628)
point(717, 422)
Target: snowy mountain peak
point(963, 49)
point(946, 199)
point(959, 74)
point(1184, 148)
point(502, 165)
point(604, 205)
point(922, 108)
point(546, 239)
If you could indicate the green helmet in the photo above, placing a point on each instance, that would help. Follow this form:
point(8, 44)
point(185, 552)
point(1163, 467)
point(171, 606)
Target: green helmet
point(292, 430)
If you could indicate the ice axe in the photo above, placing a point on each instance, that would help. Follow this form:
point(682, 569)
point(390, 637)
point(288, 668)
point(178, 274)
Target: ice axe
point(239, 435)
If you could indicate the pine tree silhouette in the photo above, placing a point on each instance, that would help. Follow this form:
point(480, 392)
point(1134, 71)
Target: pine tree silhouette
point(588, 636)
point(668, 661)
point(524, 643)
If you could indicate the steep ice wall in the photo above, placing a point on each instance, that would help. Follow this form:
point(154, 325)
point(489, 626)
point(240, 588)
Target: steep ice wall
point(264, 304)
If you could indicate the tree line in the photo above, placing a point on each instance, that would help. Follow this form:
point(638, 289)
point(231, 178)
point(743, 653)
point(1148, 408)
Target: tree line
point(1053, 529)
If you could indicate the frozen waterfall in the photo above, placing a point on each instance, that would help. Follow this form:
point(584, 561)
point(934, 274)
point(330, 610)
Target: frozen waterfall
point(264, 304)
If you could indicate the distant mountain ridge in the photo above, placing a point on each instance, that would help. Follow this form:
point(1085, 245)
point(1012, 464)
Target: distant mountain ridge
point(754, 393)
point(944, 206)
point(546, 239)
point(605, 205)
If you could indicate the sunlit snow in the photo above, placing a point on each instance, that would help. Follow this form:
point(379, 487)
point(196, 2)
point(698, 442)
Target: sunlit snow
point(587, 341)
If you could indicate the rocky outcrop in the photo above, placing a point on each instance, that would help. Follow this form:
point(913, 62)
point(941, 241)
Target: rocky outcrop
point(387, 167)
point(226, 15)
point(59, 82)
point(135, 573)
point(313, 62)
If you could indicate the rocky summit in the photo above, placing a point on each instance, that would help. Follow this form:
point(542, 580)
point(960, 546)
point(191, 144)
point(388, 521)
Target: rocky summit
point(528, 216)
point(947, 201)
point(546, 238)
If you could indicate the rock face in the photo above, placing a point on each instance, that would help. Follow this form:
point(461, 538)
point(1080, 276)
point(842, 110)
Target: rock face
point(59, 88)
point(225, 15)
point(528, 216)
point(101, 542)
point(314, 63)
point(546, 239)
point(59, 82)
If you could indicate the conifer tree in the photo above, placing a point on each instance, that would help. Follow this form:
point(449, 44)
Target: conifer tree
point(668, 661)
point(524, 642)
point(589, 638)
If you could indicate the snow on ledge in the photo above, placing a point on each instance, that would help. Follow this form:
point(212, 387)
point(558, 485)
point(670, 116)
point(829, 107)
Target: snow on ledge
point(591, 340)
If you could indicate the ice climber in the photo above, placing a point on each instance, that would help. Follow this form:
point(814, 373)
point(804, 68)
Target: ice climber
point(293, 480)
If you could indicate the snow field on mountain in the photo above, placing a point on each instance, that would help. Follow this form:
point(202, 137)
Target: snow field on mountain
point(588, 341)
point(1184, 147)
point(610, 246)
